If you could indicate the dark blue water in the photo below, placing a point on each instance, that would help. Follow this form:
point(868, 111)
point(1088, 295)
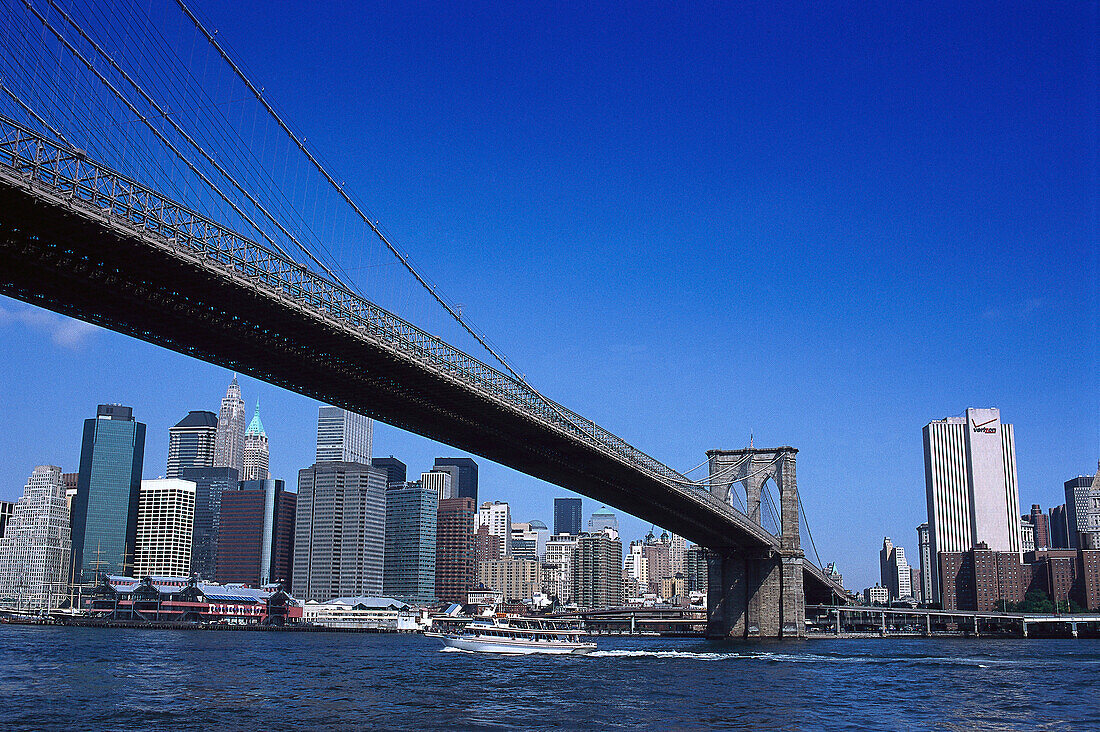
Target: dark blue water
point(102, 679)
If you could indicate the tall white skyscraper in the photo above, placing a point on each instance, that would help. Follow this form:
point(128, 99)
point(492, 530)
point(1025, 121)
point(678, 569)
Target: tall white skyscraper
point(343, 436)
point(229, 440)
point(35, 548)
point(497, 518)
point(970, 484)
point(166, 515)
point(256, 450)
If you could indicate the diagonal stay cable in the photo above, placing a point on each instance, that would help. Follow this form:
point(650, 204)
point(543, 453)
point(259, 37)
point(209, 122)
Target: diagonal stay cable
point(343, 194)
point(133, 110)
point(183, 133)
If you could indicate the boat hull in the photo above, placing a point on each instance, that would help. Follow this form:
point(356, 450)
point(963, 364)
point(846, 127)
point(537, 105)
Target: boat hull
point(514, 647)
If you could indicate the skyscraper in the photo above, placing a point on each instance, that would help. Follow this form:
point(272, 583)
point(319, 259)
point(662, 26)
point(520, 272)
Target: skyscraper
point(255, 537)
point(1041, 522)
point(894, 570)
point(7, 508)
point(602, 519)
point(105, 509)
point(210, 485)
point(1059, 527)
point(597, 571)
point(567, 516)
point(166, 516)
point(924, 548)
point(496, 517)
point(1078, 506)
point(454, 549)
point(412, 513)
point(229, 439)
point(35, 547)
point(340, 526)
point(438, 481)
point(255, 450)
point(395, 469)
point(191, 442)
point(343, 436)
point(463, 474)
point(970, 483)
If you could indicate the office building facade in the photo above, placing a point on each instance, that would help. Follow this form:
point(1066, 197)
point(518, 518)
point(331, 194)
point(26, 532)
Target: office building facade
point(597, 571)
point(1041, 522)
point(1083, 511)
point(412, 513)
point(256, 534)
point(496, 517)
point(463, 472)
point(567, 516)
point(602, 519)
point(924, 549)
point(210, 485)
point(229, 438)
point(340, 526)
point(439, 482)
point(970, 485)
point(191, 443)
point(515, 579)
point(7, 508)
point(455, 568)
point(35, 547)
point(394, 469)
point(166, 516)
point(894, 570)
point(1059, 527)
point(343, 436)
point(105, 509)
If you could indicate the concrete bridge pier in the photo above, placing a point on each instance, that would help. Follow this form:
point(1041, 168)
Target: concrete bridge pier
point(758, 593)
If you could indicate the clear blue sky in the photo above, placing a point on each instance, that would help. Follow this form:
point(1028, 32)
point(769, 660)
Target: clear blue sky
point(826, 226)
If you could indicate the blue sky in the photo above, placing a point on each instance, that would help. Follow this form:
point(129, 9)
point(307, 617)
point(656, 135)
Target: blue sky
point(825, 226)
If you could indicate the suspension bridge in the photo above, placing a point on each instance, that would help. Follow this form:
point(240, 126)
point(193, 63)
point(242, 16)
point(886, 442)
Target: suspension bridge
point(118, 208)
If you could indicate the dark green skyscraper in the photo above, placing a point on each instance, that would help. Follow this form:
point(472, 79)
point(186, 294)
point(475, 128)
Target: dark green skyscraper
point(107, 488)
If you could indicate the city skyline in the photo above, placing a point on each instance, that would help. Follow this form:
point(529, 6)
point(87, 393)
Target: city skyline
point(904, 235)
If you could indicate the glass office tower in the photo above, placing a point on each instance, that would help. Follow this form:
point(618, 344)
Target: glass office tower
point(107, 489)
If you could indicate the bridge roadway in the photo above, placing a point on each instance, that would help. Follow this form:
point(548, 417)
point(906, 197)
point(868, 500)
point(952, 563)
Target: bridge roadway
point(86, 241)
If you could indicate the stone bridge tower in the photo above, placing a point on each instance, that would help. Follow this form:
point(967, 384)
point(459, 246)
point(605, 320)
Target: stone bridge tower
point(756, 592)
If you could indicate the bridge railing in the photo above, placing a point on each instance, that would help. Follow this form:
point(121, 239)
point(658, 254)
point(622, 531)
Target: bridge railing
point(67, 173)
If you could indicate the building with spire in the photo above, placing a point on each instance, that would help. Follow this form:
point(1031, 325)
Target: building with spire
point(35, 548)
point(229, 440)
point(191, 442)
point(255, 450)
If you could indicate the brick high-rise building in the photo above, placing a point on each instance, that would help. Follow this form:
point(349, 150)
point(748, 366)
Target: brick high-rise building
point(255, 540)
point(516, 579)
point(1041, 522)
point(455, 567)
point(487, 546)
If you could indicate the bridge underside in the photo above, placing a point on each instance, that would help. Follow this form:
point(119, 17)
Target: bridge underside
point(67, 261)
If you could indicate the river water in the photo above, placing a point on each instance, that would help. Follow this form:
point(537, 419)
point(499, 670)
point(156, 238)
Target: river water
point(105, 679)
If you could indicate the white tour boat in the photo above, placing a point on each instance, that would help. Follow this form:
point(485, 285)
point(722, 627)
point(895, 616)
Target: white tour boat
point(516, 635)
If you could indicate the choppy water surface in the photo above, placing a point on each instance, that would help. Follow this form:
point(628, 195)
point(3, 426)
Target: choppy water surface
point(87, 678)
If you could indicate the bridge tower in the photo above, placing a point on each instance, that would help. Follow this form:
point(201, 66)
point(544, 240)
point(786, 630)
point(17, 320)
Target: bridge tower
point(753, 592)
